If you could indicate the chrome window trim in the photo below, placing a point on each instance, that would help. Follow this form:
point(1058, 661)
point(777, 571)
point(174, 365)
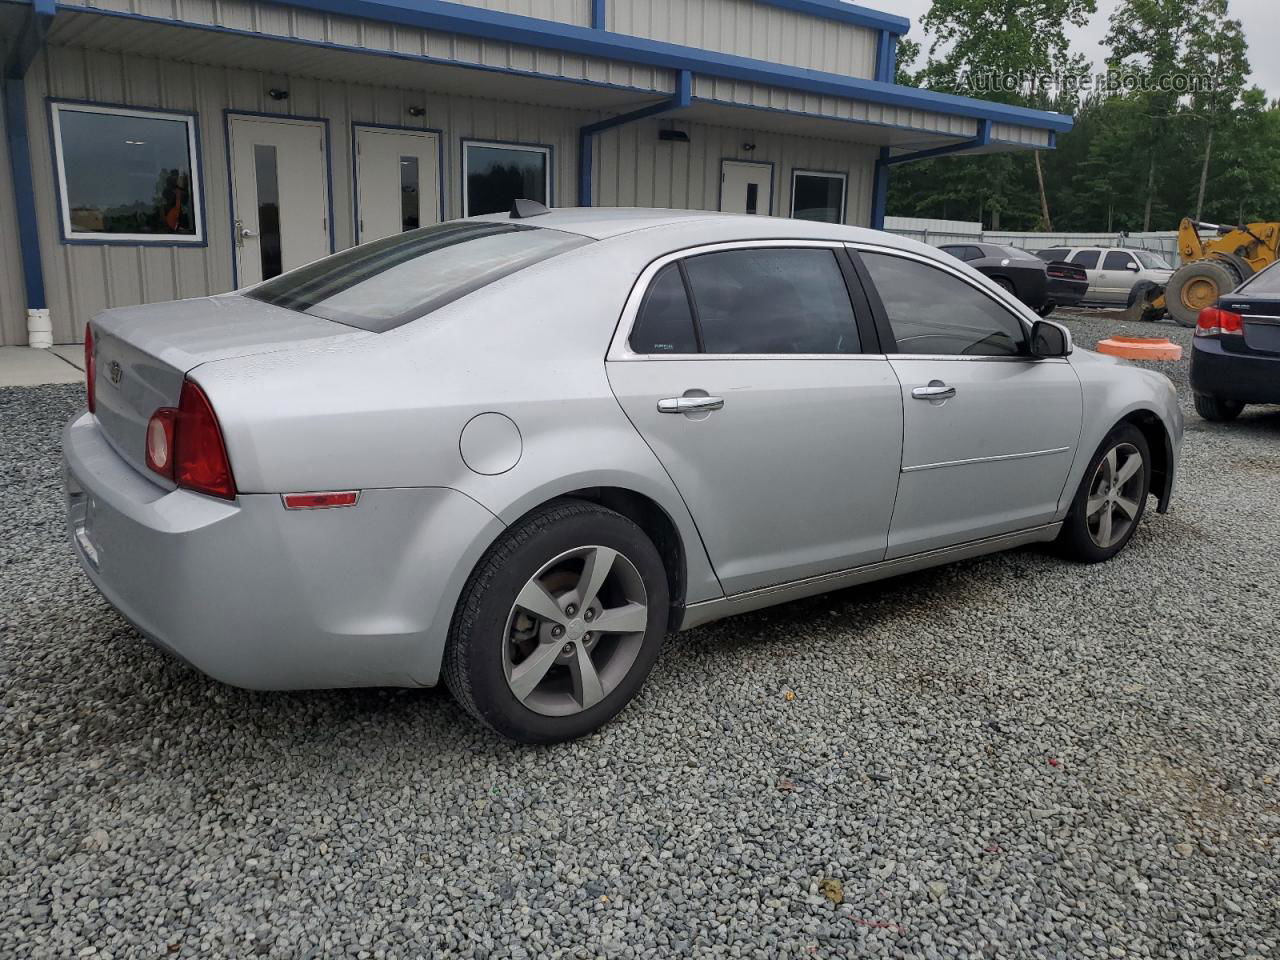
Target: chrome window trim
point(996, 459)
point(620, 349)
point(1011, 305)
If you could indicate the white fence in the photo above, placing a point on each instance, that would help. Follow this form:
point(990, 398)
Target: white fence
point(938, 232)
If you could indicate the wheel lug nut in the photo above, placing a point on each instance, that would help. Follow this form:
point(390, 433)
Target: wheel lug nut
point(557, 631)
point(568, 648)
point(571, 609)
point(589, 616)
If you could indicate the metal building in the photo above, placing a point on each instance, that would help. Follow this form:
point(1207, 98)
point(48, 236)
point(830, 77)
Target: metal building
point(159, 149)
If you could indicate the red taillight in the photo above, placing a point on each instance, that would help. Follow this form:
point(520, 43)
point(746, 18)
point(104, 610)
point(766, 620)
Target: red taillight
point(1214, 322)
point(317, 501)
point(90, 366)
point(200, 457)
point(160, 441)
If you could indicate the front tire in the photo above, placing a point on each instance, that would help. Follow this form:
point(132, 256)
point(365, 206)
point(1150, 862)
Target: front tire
point(1217, 409)
point(1111, 499)
point(559, 625)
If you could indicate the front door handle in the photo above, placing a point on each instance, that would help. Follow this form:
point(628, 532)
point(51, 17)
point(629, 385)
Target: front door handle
point(935, 392)
point(690, 404)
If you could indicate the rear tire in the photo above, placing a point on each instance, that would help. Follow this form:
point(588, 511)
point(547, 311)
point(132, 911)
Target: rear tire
point(1195, 286)
point(526, 656)
point(1217, 409)
point(1006, 286)
point(1046, 309)
point(1111, 499)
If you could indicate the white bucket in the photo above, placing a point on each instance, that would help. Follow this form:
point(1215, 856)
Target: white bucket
point(39, 329)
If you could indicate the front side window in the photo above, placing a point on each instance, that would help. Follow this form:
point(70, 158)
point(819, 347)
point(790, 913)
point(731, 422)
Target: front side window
point(1116, 260)
point(817, 196)
point(497, 174)
point(126, 175)
point(932, 312)
point(772, 300)
point(380, 285)
point(1086, 258)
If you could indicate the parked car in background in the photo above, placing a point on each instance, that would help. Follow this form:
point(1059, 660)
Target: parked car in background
point(515, 452)
point(1113, 274)
point(1019, 272)
point(1235, 353)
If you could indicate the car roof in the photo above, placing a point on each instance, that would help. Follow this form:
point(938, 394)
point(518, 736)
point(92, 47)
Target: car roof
point(602, 223)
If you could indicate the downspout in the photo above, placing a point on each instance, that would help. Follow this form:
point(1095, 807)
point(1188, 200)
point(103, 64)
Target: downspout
point(29, 44)
point(682, 98)
point(880, 188)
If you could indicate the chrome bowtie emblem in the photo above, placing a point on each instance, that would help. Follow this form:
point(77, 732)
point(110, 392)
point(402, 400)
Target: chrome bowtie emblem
point(115, 372)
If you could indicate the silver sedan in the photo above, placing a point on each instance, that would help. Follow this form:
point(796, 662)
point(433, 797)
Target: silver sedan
point(517, 452)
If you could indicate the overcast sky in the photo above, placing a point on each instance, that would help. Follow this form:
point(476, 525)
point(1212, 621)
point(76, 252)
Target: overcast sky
point(1261, 20)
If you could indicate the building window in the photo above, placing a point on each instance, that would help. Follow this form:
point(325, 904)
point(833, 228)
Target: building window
point(127, 176)
point(494, 175)
point(817, 196)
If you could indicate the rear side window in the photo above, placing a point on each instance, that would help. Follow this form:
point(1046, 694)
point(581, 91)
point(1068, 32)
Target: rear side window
point(1116, 260)
point(665, 322)
point(772, 300)
point(1086, 258)
point(932, 312)
point(380, 285)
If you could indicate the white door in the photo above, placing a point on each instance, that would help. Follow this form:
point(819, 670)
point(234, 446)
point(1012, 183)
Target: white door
point(397, 181)
point(746, 187)
point(279, 195)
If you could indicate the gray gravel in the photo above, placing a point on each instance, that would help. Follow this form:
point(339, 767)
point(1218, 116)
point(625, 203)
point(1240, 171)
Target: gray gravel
point(1009, 757)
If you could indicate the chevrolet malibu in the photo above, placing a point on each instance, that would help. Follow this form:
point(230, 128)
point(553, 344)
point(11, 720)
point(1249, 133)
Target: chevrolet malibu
point(516, 452)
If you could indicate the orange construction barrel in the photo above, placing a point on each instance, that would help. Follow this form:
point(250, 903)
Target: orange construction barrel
point(1141, 348)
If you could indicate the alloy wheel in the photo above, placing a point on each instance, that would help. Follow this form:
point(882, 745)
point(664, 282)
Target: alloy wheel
point(575, 630)
point(1115, 492)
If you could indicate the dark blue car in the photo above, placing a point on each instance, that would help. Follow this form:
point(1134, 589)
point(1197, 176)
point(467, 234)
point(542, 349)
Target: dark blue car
point(1235, 355)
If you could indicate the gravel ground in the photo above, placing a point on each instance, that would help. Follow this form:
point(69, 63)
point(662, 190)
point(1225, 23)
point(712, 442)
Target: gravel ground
point(1009, 757)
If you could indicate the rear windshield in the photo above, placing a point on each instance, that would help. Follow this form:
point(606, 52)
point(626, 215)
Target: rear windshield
point(1268, 281)
point(380, 285)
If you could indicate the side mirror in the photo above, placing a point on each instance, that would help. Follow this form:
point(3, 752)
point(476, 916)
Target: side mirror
point(1131, 266)
point(1049, 339)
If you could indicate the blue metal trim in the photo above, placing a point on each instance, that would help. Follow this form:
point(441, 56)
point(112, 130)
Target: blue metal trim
point(498, 141)
point(227, 114)
point(981, 140)
point(846, 13)
point(71, 240)
point(586, 150)
point(492, 25)
point(880, 190)
point(598, 14)
point(15, 105)
point(844, 192)
point(758, 163)
point(31, 40)
point(355, 169)
point(1053, 140)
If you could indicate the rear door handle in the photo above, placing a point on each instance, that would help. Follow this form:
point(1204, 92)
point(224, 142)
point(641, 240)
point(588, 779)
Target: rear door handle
point(689, 404)
point(935, 392)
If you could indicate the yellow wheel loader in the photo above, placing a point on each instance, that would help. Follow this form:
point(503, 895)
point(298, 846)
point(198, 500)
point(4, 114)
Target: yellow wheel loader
point(1208, 270)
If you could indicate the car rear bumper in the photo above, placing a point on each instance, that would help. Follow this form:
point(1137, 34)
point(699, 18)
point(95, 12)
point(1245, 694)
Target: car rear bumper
point(262, 597)
point(1067, 293)
point(1246, 377)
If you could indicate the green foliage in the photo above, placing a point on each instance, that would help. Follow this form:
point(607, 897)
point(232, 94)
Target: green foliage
point(1133, 158)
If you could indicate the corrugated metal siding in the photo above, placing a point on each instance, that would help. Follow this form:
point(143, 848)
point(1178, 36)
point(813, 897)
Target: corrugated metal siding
point(634, 168)
point(295, 24)
point(13, 297)
point(562, 11)
point(84, 279)
point(795, 101)
point(750, 29)
point(1011, 133)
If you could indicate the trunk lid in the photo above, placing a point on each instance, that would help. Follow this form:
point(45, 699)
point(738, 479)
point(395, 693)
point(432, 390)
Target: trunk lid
point(145, 352)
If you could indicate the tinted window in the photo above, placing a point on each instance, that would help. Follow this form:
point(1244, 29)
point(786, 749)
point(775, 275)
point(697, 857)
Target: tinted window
point(1086, 258)
point(1116, 260)
point(665, 322)
point(960, 253)
point(772, 300)
point(380, 285)
point(1152, 261)
point(498, 175)
point(1268, 281)
point(933, 312)
point(126, 173)
point(1053, 253)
